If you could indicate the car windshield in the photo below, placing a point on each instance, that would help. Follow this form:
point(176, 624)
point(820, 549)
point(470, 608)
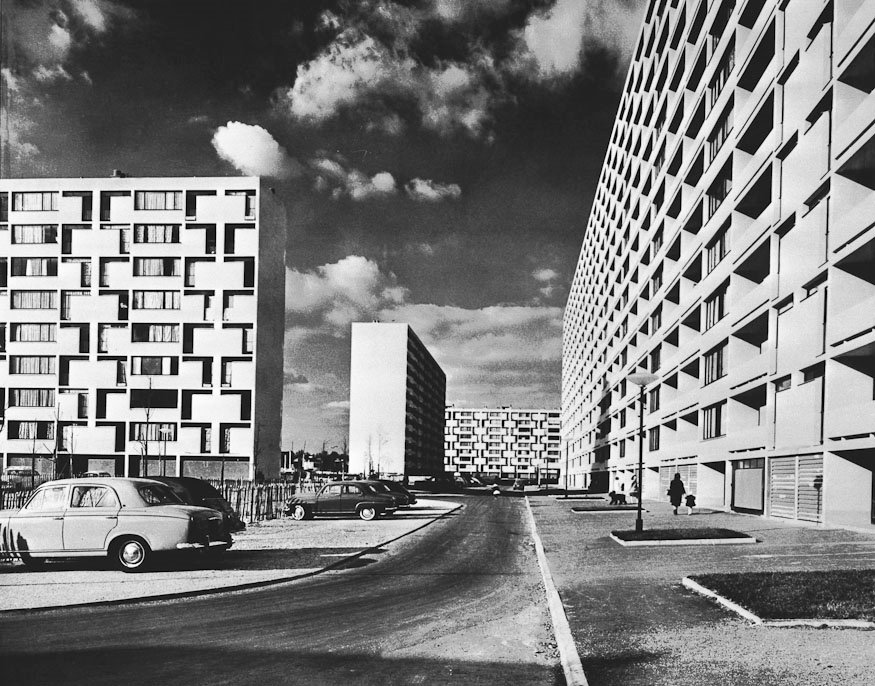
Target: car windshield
point(158, 494)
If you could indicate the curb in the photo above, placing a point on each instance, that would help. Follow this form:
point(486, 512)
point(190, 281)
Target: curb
point(602, 510)
point(687, 541)
point(571, 666)
point(229, 589)
point(777, 623)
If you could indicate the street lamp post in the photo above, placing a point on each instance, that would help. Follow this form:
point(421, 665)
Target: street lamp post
point(641, 379)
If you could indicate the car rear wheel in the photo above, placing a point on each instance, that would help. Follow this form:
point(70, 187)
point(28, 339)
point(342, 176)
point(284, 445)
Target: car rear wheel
point(299, 512)
point(367, 513)
point(131, 554)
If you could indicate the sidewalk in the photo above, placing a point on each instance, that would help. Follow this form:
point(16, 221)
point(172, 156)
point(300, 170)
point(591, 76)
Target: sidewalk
point(634, 623)
point(266, 552)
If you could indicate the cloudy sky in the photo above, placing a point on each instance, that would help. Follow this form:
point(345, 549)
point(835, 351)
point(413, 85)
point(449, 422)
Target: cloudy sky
point(437, 157)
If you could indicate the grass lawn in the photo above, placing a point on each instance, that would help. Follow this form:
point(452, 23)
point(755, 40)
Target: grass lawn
point(839, 594)
point(678, 534)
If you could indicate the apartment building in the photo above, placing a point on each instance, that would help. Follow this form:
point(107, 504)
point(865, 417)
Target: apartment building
point(141, 326)
point(730, 253)
point(397, 394)
point(503, 442)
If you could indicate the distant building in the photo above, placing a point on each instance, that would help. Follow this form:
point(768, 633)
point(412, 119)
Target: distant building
point(730, 253)
point(141, 326)
point(397, 394)
point(503, 442)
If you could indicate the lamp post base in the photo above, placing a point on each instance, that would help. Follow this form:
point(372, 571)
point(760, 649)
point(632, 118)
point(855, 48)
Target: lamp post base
point(639, 525)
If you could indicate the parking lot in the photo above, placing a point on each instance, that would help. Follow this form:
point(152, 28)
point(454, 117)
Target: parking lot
point(266, 552)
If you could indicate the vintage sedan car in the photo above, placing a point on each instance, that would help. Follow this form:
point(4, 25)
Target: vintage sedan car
point(127, 520)
point(342, 497)
point(193, 491)
point(398, 489)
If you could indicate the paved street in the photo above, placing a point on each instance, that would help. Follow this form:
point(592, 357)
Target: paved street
point(458, 602)
point(634, 624)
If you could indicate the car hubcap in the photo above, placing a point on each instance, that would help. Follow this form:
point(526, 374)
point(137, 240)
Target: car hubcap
point(132, 554)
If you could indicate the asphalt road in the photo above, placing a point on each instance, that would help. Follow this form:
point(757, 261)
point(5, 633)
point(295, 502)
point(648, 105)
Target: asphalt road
point(441, 609)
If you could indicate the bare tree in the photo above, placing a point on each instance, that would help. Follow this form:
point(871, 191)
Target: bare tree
point(143, 439)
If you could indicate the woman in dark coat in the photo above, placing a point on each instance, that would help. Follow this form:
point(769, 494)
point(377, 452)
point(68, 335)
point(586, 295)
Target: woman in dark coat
point(676, 492)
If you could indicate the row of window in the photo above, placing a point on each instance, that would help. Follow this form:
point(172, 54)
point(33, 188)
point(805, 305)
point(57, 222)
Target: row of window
point(47, 201)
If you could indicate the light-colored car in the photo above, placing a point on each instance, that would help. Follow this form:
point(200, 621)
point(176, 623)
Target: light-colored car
point(127, 520)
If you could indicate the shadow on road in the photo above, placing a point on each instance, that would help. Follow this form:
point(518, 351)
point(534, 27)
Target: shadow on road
point(156, 663)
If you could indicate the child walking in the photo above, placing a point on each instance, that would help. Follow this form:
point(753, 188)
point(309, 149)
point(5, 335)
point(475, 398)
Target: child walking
point(690, 503)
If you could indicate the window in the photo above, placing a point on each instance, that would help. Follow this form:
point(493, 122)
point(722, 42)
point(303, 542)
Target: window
point(153, 431)
point(656, 319)
point(712, 421)
point(158, 200)
point(35, 201)
point(31, 364)
point(653, 399)
point(249, 209)
point(717, 248)
point(715, 363)
point(782, 384)
point(721, 131)
point(653, 439)
point(155, 333)
point(159, 366)
point(94, 496)
point(206, 439)
point(248, 338)
point(156, 266)
point(47, 499)
point(156, 233)
point(33, 333)
point(655, 358)
point(31, 397)
point(34, 300)
point(718, 81)
point(623, 448)
point(153, 397)
point(715, 306)
point(32, 430)
point(34, 266)
point(34, 233)
point(721, 188)
point(156, 300)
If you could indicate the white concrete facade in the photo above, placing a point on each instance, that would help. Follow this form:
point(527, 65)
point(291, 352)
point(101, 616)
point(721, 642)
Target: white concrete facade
point(730, 252)
point(141, 325)
point(504, 442)
point(396, 402)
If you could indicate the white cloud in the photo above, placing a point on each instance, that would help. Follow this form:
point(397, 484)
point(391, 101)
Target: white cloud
point(335, 176)
point(553, 41)
point(93, 13)
point(52, 74)
point(329, 298)
point(545, 275)
point(252, 150)
point(425, 190)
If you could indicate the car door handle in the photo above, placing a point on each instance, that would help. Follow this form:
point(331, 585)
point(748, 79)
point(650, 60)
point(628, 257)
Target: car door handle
point(110, 517)
point(57, 518)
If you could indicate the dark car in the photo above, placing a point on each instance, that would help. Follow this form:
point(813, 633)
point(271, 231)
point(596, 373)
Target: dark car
point(198, 492)
point(439, 484)
point(342, 497)
point(398, 488)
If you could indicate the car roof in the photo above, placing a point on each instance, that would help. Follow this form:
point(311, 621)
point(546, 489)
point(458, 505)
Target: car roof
point(101, 481)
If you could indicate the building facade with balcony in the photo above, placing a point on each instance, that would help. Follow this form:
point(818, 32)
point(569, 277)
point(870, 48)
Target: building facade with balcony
point(503, 442)
point(141, 326)
point(397, 394)
point(730, 251)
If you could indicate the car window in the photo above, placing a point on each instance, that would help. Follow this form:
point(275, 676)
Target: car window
point(353, 488)
point(51, 498)
point(334, 489)
point(94, 496)
point(157, 494)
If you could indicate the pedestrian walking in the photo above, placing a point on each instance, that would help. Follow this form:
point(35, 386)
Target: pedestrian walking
point(690, 502)
point(676, 492)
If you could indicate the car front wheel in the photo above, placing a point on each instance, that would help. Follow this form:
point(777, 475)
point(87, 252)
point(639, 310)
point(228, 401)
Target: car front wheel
point(367, 513)
point(131, 554)
point(299, 512)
